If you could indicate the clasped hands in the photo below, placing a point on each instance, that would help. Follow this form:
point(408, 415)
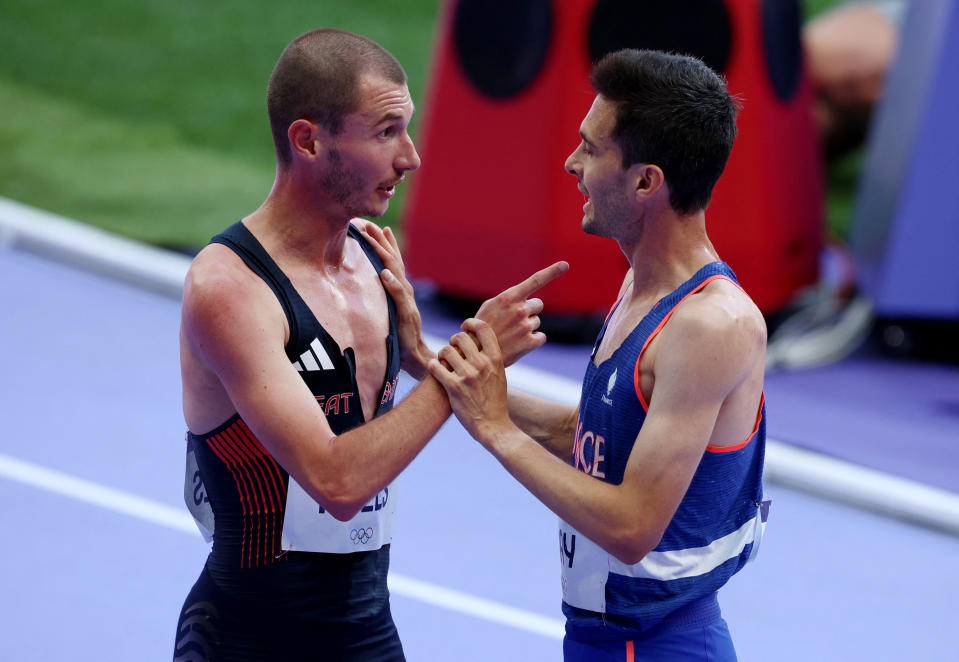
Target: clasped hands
point(472, 367)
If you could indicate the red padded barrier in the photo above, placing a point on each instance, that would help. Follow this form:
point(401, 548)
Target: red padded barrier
point(492, 201)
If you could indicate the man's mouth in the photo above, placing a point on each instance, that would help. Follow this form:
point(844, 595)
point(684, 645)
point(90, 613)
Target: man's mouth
point(390, 187)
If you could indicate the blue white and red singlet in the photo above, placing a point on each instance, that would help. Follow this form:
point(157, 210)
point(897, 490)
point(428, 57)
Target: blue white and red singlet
point(255, 599)
point(664, 607)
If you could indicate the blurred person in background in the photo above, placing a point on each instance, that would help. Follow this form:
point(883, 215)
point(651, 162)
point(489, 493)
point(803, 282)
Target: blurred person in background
point(849, 50)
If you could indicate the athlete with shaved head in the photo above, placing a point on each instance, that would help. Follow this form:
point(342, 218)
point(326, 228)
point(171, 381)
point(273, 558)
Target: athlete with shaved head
point(296, 323)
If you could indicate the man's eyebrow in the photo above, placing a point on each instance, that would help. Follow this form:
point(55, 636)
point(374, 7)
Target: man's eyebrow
point(586, 140)
point(392, 115)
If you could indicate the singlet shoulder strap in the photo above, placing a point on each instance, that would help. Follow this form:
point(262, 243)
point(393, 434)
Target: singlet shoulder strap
point(665, 306)
point(241, 241)
point(379, 266)
point(657, 317)
point(367, 248)
point(238, 238)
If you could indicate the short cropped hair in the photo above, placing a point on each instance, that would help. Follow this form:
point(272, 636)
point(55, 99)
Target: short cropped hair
point(672, 111)
point(317, 78)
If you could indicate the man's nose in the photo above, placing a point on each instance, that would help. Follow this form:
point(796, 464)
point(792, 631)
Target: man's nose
point(410, 159)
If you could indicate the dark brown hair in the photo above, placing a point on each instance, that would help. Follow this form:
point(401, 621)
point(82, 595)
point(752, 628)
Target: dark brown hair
point(672, 111)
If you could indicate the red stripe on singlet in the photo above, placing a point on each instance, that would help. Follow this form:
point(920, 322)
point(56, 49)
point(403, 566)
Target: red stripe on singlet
point(268, 506)
point(255, 521)
point(258, 546)
point(226, 455)
point(265, 467)
point(275, 472)
point(629, 651)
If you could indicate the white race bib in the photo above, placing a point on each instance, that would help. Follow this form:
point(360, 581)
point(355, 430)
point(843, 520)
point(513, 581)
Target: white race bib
point(194, 494)
point(586, 566)
point(309, 528)
point(585, 569)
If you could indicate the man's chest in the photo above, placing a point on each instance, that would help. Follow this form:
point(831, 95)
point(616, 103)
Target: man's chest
point(352, 323)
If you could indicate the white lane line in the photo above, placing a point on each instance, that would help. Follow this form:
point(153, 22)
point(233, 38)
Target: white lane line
point(178, 519)
point(478, 607)
point(108, 498)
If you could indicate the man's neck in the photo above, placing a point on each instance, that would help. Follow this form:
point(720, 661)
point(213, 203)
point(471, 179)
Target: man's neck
point(292, 227)
point(670, 249)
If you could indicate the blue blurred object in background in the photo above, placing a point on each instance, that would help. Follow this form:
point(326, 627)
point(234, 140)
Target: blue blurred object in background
point(905, 230)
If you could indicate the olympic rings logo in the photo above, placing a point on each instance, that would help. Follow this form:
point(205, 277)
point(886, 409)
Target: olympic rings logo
point(361, 536)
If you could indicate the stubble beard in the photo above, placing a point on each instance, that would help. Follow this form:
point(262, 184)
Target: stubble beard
point(610, 212)
point(343, 184)
point(597, 225)
point(593, 227)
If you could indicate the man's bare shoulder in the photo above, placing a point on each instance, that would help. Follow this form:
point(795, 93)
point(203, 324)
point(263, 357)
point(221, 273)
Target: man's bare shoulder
point(220, 290)
point(723, 316)
point(217, 271)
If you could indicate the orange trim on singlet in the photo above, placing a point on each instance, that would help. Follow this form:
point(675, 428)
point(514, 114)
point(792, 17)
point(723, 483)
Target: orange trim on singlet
point(752, 435)
point(659, 327)
point(630, 656)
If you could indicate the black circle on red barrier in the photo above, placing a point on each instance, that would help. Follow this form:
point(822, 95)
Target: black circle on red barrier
point(502, 44)
point(700, 28)
point(782, 46)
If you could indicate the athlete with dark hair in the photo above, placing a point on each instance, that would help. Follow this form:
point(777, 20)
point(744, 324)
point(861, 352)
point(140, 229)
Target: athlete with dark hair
point(296, 322)
point(656, 476)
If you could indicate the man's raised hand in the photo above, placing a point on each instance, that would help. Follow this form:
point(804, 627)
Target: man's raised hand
point(514, 317)
point(413, 350)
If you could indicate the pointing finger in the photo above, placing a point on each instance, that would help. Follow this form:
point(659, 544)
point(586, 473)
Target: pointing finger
point(537, 280)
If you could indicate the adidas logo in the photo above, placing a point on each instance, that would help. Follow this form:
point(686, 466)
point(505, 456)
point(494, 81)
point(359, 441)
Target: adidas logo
point(313, 359)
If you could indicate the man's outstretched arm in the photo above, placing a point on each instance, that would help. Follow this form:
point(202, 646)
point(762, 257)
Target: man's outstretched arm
point(627, 520)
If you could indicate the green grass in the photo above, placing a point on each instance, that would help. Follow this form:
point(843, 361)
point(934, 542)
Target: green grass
point(147, 117)
point(140, 179)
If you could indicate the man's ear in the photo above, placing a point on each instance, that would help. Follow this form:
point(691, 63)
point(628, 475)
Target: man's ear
point(305, 139)
point(647, 179)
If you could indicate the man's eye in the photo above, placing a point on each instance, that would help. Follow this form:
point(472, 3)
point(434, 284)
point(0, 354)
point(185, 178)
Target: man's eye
point(385, 133)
